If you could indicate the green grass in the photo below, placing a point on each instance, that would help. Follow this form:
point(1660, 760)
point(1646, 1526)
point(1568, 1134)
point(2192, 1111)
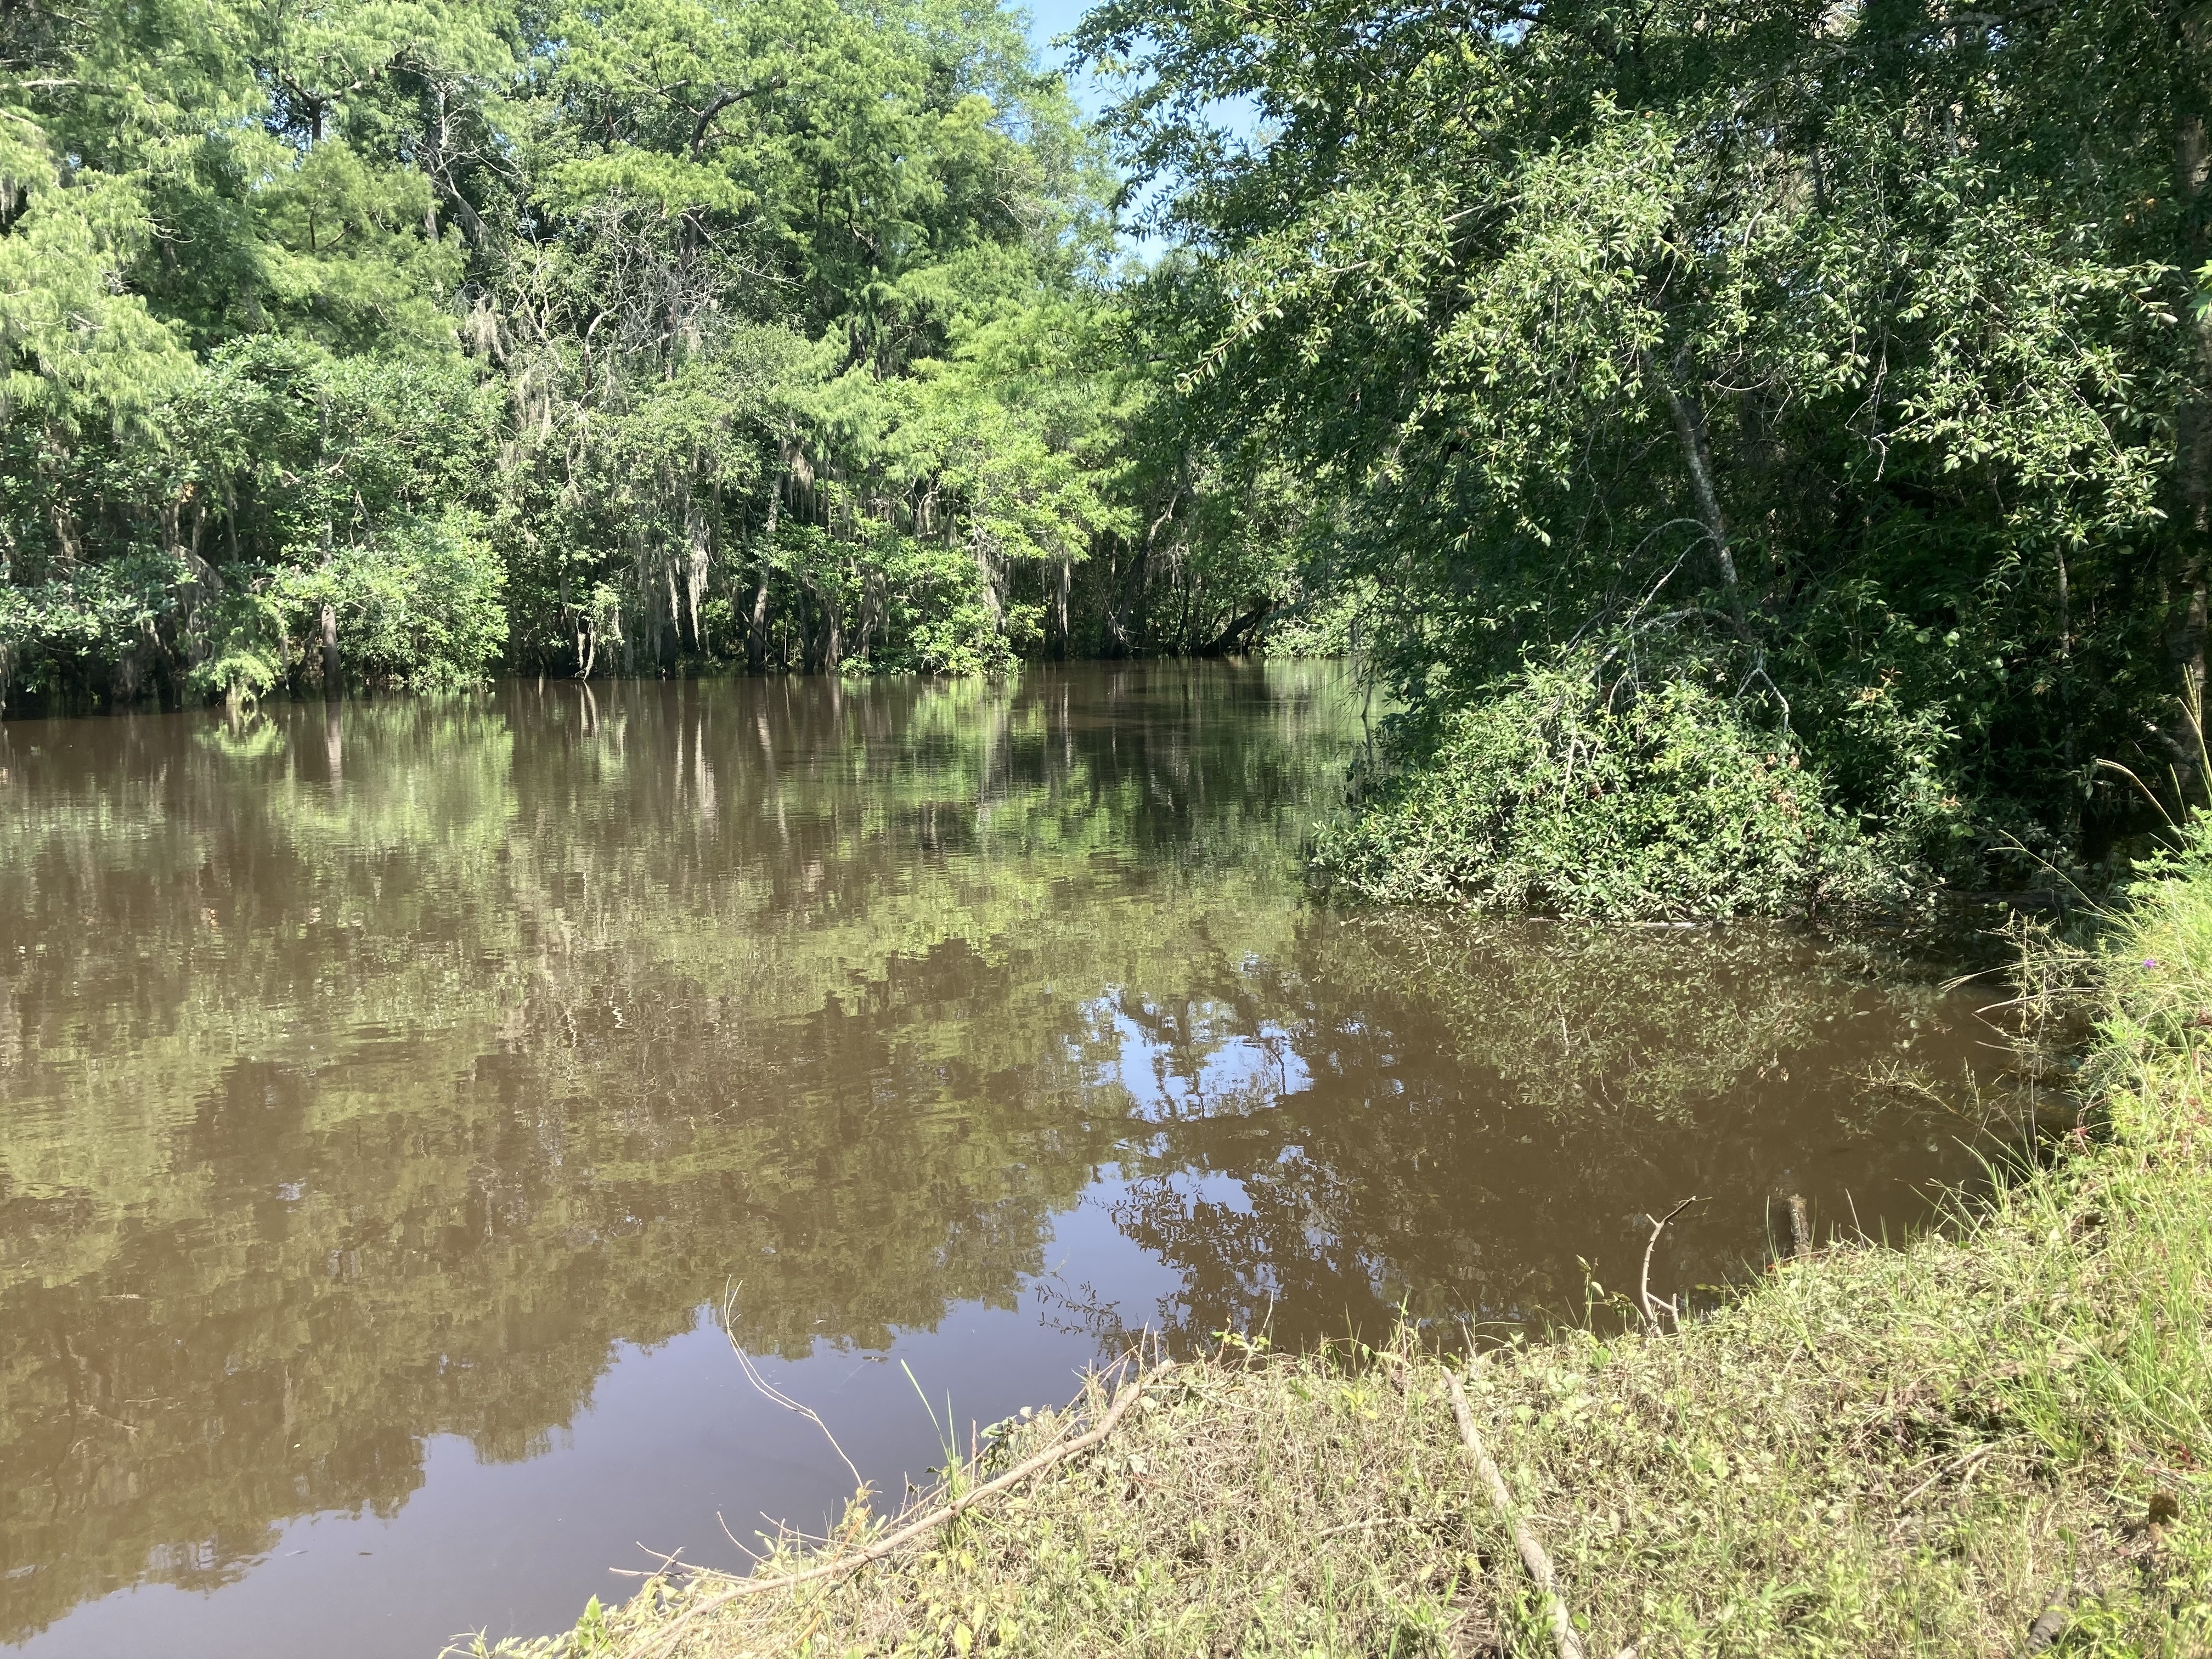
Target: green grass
point(1872, 1451)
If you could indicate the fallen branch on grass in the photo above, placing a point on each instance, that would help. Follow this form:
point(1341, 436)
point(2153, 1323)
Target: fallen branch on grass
point(666, 1639)
point(1533, 1558)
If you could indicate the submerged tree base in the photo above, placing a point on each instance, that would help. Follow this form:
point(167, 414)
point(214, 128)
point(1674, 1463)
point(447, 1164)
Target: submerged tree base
point(1997, 1431)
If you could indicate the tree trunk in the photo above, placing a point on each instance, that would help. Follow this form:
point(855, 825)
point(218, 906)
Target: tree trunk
point(824, 636)
point(1062, 588)
point(874, 626)
point(757, 632)
point(987, 576)
point(1237, 636)
point(701, 543)
point(1697, 459)
point(332, 681)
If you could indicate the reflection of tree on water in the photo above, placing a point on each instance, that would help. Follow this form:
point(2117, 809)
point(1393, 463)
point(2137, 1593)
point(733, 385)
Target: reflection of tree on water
point(1479, 1116)
point(356, 1087)
point(362, 1087)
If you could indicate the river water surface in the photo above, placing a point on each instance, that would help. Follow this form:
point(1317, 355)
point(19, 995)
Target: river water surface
point(394, 1097)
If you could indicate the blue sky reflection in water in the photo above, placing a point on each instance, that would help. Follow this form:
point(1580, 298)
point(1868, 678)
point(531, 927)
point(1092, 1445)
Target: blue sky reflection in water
point(390, 1093)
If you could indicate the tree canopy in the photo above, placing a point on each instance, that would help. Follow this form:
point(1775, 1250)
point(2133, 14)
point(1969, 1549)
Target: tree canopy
point(1846, 361)
point(1658, 400)
point(392, 345)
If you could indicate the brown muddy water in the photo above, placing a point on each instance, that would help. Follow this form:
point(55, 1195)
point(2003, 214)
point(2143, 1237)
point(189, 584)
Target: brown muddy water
point(391, 1095)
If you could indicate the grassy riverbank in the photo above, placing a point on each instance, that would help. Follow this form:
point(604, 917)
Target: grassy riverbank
point(1874, 1451)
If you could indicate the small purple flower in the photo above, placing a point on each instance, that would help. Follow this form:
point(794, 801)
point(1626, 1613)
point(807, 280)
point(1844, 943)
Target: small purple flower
point(2150, 961)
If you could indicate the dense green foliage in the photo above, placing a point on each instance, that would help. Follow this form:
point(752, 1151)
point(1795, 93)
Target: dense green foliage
point(1847, 362)
point(1651, 401)
point(385, 345)
point(1545, 799)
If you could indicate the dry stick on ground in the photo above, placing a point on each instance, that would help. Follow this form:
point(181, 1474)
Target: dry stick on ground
point(1524, 1540)
point(1644, 1286)
point(892, 1540)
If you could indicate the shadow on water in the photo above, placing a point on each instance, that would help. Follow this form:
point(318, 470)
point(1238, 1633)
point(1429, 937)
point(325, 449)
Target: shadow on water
point(382, 1083)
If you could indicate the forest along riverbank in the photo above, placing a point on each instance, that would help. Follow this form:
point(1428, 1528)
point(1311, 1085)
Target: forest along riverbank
point(1989, 1441)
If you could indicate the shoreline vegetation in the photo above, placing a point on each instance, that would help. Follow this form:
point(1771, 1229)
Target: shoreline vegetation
point(1758, 459)
point(1991, 1440)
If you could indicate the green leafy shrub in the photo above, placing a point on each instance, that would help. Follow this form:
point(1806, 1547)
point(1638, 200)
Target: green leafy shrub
point(104, 621)
point(1564, 794)
point(419, 606)
point(244, 643)
point(943, 620)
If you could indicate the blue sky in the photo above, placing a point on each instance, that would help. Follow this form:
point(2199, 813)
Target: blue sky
point(1050, 17)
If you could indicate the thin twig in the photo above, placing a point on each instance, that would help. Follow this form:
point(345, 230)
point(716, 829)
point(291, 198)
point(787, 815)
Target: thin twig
point(668, 1562)
point(906, 1534)
point(742, 1549)
point(1644, 1286)
point(1533, 1558)
point(1371, 1521)
point(1965, 1464)
point(770, 1392)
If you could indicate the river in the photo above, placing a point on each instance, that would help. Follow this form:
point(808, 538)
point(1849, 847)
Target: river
point(406, 1104)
